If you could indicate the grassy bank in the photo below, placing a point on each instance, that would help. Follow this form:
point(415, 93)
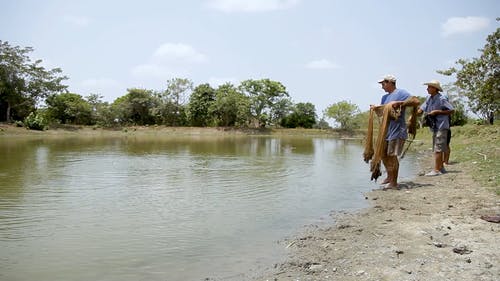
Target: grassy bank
point(72, 130)
point(476, 146)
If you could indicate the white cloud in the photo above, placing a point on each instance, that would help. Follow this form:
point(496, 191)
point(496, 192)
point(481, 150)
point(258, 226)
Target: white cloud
point(251, 5)
point(77, 20)
point(178, 52)
point(321, 64)
point(169, 60)
point(458, 25)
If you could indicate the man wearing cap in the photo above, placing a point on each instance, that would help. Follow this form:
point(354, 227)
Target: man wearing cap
point(438, 107)
point(397, 130)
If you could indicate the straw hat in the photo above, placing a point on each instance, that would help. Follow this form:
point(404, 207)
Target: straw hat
point(435, 84)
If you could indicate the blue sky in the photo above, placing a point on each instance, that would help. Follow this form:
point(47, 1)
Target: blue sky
point(323, 51)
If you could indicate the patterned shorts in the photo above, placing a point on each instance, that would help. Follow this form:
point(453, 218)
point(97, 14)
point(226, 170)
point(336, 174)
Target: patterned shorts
point(440, 141)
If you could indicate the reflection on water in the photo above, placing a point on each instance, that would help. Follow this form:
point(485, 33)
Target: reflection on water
point(171, 208)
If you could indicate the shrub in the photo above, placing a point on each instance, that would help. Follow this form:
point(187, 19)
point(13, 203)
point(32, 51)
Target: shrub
point(35, 121)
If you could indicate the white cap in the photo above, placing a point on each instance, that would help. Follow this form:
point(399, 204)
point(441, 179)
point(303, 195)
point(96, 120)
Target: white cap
point(388, 78)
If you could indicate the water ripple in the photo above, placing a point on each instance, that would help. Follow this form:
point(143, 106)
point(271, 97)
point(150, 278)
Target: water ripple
point(161, 209)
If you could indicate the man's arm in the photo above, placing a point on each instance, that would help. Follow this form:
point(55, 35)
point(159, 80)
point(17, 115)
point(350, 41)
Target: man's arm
point(441, 112)
point(411, 101)
point(446, 108)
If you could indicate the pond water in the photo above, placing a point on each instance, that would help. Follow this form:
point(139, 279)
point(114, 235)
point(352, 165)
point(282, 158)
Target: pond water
point(167, 208)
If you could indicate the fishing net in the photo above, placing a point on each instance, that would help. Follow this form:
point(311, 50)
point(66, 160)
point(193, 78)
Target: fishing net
point(376, 155)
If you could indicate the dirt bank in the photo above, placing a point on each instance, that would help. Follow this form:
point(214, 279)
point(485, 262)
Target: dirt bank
point(431, 229)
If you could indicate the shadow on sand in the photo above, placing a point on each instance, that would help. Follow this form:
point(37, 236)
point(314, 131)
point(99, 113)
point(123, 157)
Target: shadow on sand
point(412, 185)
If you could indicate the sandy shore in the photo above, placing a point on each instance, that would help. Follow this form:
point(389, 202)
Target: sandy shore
point(431, 229)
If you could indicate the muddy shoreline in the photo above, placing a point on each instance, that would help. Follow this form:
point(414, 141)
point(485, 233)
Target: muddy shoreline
point(430, 229)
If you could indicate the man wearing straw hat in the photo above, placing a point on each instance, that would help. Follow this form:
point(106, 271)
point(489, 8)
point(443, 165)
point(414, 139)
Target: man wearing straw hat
point(438, 108)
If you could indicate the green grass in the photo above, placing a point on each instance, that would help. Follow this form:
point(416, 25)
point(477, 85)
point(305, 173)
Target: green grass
point(478, 148)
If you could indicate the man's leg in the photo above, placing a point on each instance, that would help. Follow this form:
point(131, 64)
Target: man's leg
point(384, 161)
point(439, 147)
point(446, 157)
point(387, 165)
point(391, 163)
point(392, 171)
point(438, 161)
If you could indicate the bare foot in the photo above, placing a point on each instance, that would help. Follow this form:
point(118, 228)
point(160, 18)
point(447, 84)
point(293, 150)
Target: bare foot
point(391, 186)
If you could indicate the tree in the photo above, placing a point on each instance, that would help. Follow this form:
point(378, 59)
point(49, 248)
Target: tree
point(201, 100)
point(322, 124)
point(231, 107)
point(136, 107)
point(280, 110)
point(303, 115)
point(459, 116)
point(101, 114)
point(479, 78)
point(173, 101)
point(264, 95)
point(361, 119)
point(69, 108)
point(24, 83)
point(343, 113)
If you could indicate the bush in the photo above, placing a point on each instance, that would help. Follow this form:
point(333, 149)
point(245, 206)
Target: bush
point(35, 121)
point(459, 117)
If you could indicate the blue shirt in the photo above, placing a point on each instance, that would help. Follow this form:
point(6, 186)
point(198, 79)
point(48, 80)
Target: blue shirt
point(397, 128)
point(384, 97)
point(438, 102)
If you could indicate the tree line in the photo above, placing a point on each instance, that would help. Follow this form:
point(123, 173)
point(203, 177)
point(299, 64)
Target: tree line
point(253, 103)
point(25, 85)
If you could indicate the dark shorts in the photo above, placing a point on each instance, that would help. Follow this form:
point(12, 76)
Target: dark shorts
point(395, 147)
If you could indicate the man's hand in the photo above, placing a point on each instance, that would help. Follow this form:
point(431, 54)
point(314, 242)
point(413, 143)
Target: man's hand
point(395, 104)
point(412, 101)
point(377, 109)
